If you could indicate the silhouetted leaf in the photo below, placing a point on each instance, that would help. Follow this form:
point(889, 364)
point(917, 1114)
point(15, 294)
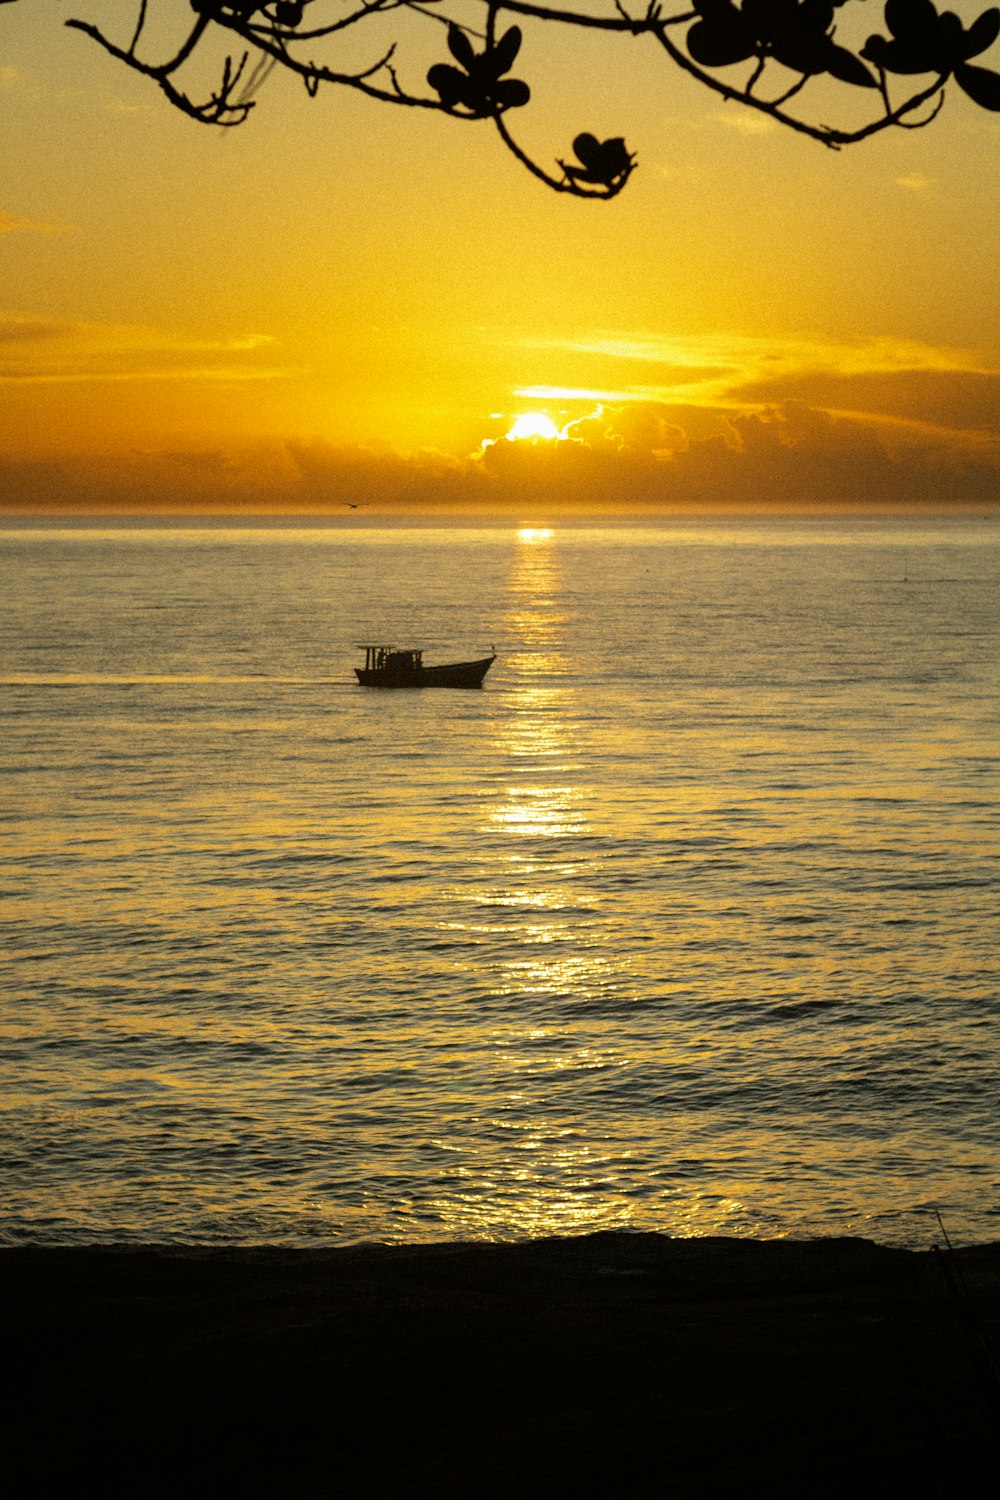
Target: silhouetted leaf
point(450, 84)
point(511, 93)
point(913, 17)
point(982, 33)
point(803, 52)
point(718, 46)
point(461, 48)
point(768, 16)
point(950, 33)
point(915, 36)
point(895, 56)
point(848, 68)
point(506, 50)
point(588, 149)
point(714, 10)
point(818, 14)
point(616, 156)
point(981, 84)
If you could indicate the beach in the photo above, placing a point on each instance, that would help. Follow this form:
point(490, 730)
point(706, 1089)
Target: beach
point(612, 1364)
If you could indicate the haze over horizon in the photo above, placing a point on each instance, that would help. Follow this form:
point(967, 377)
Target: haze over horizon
point(342, 302)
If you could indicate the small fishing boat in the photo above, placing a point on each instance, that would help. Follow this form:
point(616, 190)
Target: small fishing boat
point(386, 667)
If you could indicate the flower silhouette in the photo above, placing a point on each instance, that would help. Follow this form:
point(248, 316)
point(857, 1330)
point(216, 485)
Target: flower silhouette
point(926, 41)
point(796, 33)
point(605, 163)
point(478, 85)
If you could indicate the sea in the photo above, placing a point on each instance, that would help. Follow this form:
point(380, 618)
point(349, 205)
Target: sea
point(686, 922)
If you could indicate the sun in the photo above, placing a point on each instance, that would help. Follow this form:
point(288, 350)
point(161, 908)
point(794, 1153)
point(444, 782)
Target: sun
point(533, 425)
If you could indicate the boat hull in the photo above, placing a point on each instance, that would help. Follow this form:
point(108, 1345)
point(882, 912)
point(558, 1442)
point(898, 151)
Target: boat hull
point(459, 674)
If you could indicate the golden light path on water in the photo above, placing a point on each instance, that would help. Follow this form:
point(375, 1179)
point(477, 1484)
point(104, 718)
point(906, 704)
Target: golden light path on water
point(539, 821)
point(535, 807)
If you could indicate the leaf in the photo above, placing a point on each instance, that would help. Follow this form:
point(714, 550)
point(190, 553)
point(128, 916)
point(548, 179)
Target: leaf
point(451, 85)
point(511, 93)
point(982, 33)
point(616, 157)
point(818, 14)
point(918, 17)
point(849, 69)
point(981, 84)
point(461, 48)
point(897, 56)
point(588, 149)
point(715, 46)
point(715, 10)
point(950, 32)
point(506, 50)
point(768, 16)
point(803, 53)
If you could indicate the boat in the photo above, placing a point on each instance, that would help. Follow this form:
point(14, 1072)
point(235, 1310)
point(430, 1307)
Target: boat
point(387, 667)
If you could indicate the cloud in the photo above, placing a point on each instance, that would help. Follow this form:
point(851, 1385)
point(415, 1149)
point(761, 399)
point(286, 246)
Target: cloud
point(744, 122)
point(632, 458)
point(130, 109)
point(743, 119)
point(791, 456)
point(547, 394)
point(32, 330)
point(916, 182)
point(18, 224)
point(330, 477)
point(924, 391)
point(689, 423)
point(58, 352)
point(257, 479)
point(962, 404)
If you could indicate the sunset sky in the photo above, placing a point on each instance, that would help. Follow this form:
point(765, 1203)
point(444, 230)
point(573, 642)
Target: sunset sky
point(346, 301)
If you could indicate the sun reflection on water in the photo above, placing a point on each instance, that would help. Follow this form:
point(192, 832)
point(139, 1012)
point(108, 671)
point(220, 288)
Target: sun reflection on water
point(541, 950)
point(532, 737)
point(544, 811)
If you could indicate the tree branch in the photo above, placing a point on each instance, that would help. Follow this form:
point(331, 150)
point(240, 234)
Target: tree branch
point(795, 37)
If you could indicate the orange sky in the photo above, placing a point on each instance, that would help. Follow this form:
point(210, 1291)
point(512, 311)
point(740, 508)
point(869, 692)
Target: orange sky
point(342, 300)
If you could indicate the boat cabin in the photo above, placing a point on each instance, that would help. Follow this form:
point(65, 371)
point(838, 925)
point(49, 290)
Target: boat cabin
point(388, 659)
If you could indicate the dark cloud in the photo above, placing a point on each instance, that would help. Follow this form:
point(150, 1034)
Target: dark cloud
point(641, 426)
point(335, 476)
point(32, 330)
point(213, 462)
point(147, 481)
point(793, 455)
point(963, 400)
point(632, 458)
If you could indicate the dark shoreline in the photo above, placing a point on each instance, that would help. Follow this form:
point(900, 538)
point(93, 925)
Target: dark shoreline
point(612, 1365)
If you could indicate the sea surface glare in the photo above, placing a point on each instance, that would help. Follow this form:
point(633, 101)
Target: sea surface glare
point(687, 921)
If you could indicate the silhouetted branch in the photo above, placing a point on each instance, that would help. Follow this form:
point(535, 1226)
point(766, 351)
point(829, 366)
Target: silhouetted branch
point(140, 22)
point(825, 134)
point(218, 109)
point(606, 165)
point(781, 47)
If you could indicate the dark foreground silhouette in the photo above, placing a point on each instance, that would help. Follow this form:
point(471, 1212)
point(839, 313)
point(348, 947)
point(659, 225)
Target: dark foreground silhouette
point(614, 1365)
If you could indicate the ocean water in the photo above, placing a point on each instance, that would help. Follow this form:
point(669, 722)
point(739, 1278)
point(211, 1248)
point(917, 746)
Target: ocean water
point(687, 921)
